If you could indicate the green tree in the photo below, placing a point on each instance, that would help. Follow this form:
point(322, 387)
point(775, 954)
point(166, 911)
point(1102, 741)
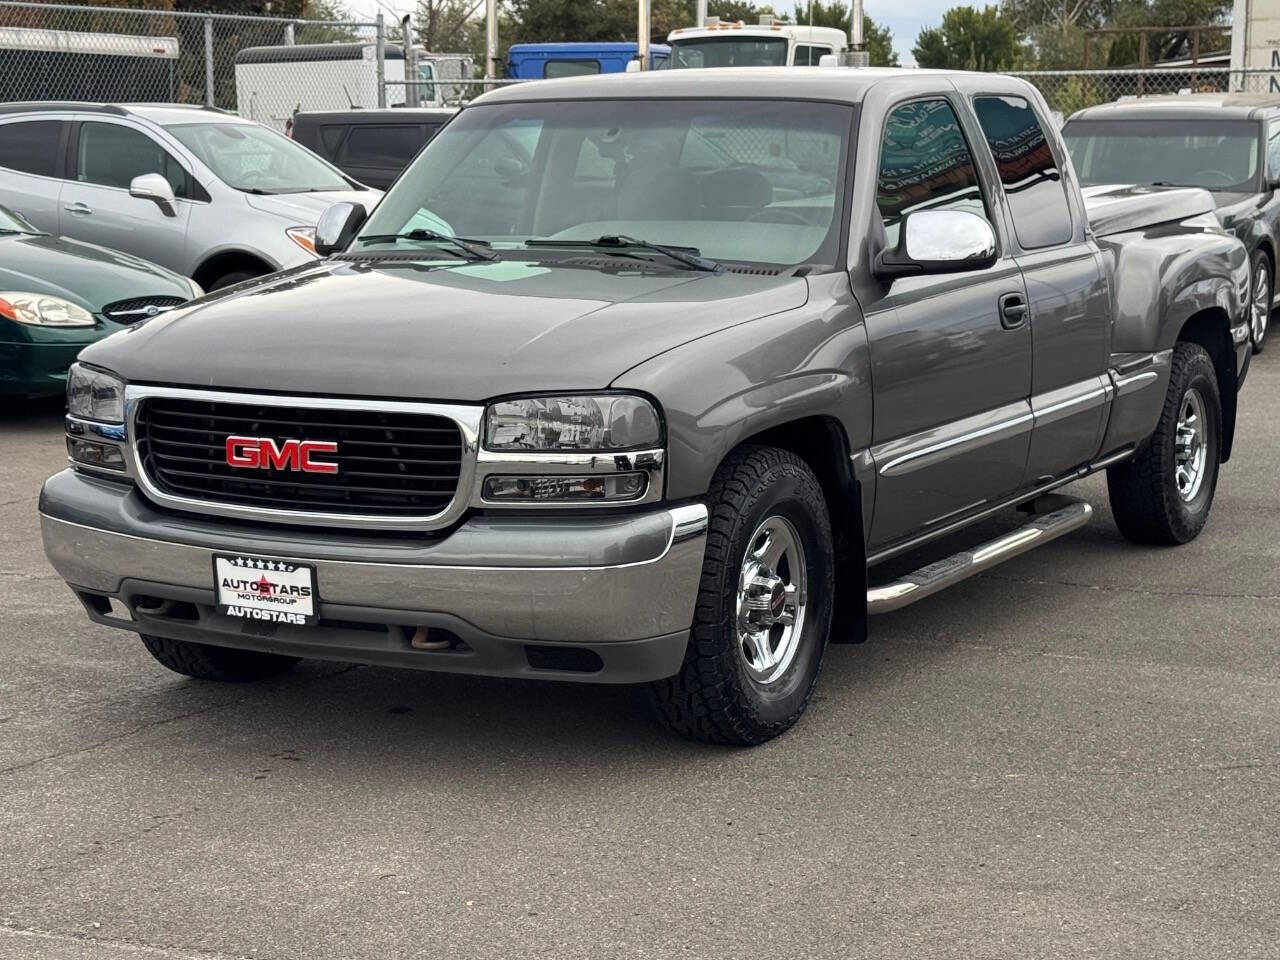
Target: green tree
point(969, 39)
point(878, 39)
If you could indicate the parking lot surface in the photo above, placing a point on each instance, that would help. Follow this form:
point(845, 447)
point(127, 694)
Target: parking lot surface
point(1075, 755)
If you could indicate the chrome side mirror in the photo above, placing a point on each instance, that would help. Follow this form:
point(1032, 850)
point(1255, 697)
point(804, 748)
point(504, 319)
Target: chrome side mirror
point(153, 187)
point(338, 226)
point(939, 241)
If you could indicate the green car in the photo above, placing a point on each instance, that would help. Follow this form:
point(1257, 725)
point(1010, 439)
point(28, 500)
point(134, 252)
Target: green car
point(57, 296)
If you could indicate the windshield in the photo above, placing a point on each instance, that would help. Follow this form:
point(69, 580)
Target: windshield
point(1215, 154)
point(674, 172)
point(728, 52)
point(252, 158)
point(11, 222)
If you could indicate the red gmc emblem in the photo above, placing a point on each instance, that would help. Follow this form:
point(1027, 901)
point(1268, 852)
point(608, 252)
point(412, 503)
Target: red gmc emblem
point(263, 453)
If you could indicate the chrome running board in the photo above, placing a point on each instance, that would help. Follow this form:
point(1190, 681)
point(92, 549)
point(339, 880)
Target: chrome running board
point(1063, 515)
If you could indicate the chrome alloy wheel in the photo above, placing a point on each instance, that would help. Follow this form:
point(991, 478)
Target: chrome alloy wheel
point(771, 600)
point(1260, 302)
point(1189, 453)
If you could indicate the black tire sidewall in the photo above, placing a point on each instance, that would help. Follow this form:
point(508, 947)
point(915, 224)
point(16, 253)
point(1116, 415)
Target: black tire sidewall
point(798, 499)
point(1260, 262)
point(231, 279)
point(1191, 516)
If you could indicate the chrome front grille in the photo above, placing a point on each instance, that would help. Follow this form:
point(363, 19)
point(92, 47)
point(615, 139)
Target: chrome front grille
point(393, 464)
point(139, 308)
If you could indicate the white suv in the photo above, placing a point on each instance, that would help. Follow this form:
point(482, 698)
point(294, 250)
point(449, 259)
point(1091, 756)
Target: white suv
point(207, 194)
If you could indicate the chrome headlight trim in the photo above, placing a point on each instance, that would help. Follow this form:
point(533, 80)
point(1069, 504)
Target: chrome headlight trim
point(529, 463)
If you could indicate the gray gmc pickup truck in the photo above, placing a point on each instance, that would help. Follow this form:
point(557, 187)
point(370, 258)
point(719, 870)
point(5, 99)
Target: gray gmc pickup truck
point(638, 379)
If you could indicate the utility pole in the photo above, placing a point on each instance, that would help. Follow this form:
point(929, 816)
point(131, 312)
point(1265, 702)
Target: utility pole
point(702, 13)
point(491, 39)
point(856, 55)
point(642, 35)
point(411, 93)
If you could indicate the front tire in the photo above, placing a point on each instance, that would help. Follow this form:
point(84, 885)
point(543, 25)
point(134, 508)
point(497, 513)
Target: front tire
point(236, 276)
point(1261, 291)
point(204, 661)
point(1163, 495)
point(764, 604)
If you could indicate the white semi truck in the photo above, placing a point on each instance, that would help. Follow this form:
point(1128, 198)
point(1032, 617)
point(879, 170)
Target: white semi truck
point(770, 43)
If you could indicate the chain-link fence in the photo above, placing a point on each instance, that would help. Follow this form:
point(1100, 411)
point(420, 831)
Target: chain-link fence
point(248, 64)
point(268, 68)
point(1070, 90)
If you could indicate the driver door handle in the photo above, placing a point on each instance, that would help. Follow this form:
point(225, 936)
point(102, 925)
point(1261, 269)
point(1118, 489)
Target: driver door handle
point(80, 208)
point(1013, 310)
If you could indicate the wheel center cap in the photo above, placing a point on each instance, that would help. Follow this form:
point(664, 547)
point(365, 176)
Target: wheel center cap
point(777, 599)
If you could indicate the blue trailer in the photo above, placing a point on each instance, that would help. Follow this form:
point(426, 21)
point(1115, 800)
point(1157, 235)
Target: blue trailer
point(535, 61)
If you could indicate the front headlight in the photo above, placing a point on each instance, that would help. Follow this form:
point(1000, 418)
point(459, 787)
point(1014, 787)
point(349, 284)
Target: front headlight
point(606, 423)
point(95, 394)
point(41, 310)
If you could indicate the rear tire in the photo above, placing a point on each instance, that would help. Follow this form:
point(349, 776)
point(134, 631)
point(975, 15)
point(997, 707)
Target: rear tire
point(205, 661)
point(764, 604)
point(1163, 495)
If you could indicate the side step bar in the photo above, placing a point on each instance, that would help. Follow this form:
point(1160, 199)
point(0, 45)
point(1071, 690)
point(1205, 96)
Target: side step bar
point(1063, 515)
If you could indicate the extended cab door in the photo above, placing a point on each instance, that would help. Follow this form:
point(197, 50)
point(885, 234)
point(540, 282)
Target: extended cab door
point(950, 375)
point(1069, 304)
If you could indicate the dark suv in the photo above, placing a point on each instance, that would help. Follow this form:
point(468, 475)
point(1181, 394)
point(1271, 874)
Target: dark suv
point(1229, 144)
point(372, 146)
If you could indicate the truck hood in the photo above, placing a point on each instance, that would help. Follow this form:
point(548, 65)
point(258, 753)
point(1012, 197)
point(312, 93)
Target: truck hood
point(452, 331)
point(1118, 209)
point(85, 274)
point(305, 208)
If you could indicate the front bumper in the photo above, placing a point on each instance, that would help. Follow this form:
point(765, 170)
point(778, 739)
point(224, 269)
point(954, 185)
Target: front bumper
point(599, 598)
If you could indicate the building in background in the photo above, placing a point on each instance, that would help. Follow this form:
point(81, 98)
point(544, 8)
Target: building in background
point(1255, 41)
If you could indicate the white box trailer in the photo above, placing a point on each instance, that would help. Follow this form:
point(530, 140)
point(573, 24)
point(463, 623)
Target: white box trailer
point(1255, 45)
point(274, 83)
point(39, 64)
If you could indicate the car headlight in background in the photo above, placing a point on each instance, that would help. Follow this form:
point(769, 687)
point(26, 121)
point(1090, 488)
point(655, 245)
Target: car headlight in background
point(41, 310)
point(305, 237)
point(95, 394)
point(585, 424)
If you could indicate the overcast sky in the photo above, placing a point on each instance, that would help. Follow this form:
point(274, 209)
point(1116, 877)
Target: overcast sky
point(904, 17)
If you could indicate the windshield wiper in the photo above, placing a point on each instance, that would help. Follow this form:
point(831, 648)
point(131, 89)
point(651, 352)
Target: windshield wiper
point(470, 249)
point(689, 256)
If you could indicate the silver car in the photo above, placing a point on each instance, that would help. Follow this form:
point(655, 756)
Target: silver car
point(207, 194)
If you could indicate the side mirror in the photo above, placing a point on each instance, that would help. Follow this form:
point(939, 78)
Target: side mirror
point(153, 187)
point(338, 226)
point(938, 241)
point(633, 66)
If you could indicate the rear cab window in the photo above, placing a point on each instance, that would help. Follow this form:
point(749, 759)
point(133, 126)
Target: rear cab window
point(1028, 170)
point(570, 68)
point(383, 145)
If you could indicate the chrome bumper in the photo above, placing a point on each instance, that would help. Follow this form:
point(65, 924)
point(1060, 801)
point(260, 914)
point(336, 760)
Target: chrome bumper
point(623, 586)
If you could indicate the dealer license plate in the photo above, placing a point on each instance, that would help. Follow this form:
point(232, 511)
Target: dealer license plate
point(266, 589)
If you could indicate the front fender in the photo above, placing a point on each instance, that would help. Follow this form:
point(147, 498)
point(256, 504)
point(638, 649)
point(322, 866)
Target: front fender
point(722, 389)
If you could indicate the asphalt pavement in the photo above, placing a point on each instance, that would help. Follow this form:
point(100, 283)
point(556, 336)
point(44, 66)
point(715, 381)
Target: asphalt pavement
point(1075, 755)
